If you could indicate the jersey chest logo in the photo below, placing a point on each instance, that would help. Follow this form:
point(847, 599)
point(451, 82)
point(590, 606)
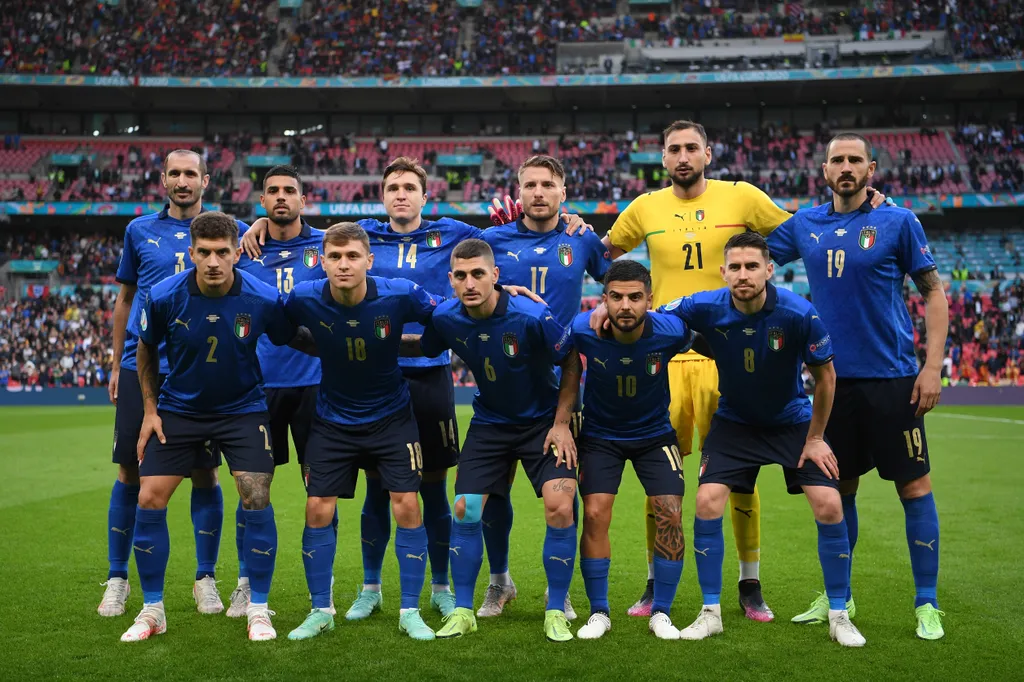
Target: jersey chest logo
point(243, 325)
point(311, 258)
point(434, 239)
point(653, 363)
point(510, 344)
point(867, 237)
point(382, 327)
point(776, 339)
point(565, 254)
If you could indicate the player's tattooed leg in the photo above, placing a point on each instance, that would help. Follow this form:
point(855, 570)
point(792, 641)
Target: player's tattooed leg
point(254, 489)
point(668, 540)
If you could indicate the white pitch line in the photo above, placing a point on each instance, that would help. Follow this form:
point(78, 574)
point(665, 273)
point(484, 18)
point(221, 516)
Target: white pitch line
point(975, 418)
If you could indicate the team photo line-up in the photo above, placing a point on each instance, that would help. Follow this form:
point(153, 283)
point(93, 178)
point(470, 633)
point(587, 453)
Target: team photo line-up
point(228, 338)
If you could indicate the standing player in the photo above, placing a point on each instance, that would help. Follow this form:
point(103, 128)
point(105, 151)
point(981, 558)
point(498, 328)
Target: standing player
point(761, 336)
point(210, 318)
point(857, 259)
point(363, 415)
point(290, 378)
point(626, 418)
point(537, 251)
point(512, 346)
point(155, 247)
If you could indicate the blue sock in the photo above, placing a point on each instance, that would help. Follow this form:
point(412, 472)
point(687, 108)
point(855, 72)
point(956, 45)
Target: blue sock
point(124, 500)
point(207, 524)
point(497, 527)
point(595, 580)
point(575, 510)
point(709, 552)
point(559, 561)
point(375, 528)
point(852, 529)
point(411, 550)
point(243, 572)
point(260, 550)
point(666, 581)
point(318, 548)
point(923, 540)
point(834, 555)
point(467, 555)
point(437, 519)
point(152, 549)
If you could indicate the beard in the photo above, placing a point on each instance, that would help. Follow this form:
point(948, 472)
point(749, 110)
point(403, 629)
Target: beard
point(184, 203)
point(858, 185)
point(628, 324)
point(748, 294)
point(540, 213)
point(279, 219)
point(686, 183)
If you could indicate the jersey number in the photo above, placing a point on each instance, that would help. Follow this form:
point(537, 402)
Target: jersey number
point(542, 280)
point(410, 258)
point(415, 456)
point(627, 385)
point(356, 349)
point(212, 340)
point(266, 438)
point(489, 370)
point(285, 280)
point(689, 250)
point(748, 359)
point(674, 459)
point(180, 265)
point(447, 433)
point(915, 446)
point(836, 259)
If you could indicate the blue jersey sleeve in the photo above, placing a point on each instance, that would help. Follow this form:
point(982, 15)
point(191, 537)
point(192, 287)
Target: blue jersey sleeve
point(679, 328)
point(782, 244)
point(420, 304)
point(152, 322)
point(280, 329)
point(600, 258)
point(468, 231)
point(128, 268)
point(684, 309)
point(914, 254)
point(553, 337)
point(817, 348)
point(432, 343)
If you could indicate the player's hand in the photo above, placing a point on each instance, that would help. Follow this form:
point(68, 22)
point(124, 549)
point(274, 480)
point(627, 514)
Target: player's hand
point(151, 424)
point(503, 214)
point(115, 377)
point(817, 450)
point(575, 223)
point(560, 442)
point(877, 198)
point(926, 391)
point(599, 320)
point(255, 237)
point(516, 290)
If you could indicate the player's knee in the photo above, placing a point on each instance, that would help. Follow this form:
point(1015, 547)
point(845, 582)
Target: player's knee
point(827, 509)
point(320, 511)
point(204, 478)
point(469, 508)
point(406, 508)
point(919, 487)
point(668, 513)
point(128, 473)
point(597, 517)
point(711, 501)
point(558, 511)
point(152, 497)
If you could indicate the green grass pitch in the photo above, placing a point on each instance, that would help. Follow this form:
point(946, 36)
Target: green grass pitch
point(55, 477)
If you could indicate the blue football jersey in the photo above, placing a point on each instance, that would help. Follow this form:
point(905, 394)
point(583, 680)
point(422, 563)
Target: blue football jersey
point(282, 265)
point(625, 394)
point(155, 247)
point(549, 264)
point(760, 356)
point(512, 355)
point(856, 265)
point(211, 342)
point(358, 345)
point(422, 256)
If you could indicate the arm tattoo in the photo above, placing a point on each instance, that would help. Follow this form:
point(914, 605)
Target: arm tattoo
point(149, 380)
point(927, 282)
point(254, 489)
point(668, 539)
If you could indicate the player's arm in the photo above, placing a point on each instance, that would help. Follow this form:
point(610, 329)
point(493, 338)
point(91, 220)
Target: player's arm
point(431, 344)
point(122, 311)
point(304, 342)
point(782, 243)
point(560, 436)
point(928, 386)
point(627, 232)
point(815, 448)
point(410, 346)
point(701, 346)
point(600, 258)
point(151, 331)
point(255, 237)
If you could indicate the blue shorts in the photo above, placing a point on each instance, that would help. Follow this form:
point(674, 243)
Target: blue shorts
point(656, 461)
point(243, 438)
point(336, 452)
point(734, 453)
point(490, 450)
point(290, 408)
point(433, 404)
point(128, 423)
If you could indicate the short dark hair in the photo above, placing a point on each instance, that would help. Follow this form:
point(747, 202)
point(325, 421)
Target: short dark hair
point(472, 248)
point(214, 225)
point(405, 164)
point(340, 234)
point(748, 240)
point(868, 150)
point(178, 152)
point(627, 271)
point(283, 170)
point(676, 126)
point(544, 161)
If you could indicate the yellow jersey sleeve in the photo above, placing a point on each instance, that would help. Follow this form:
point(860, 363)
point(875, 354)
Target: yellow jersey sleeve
point(762, 215)
point(628, 232)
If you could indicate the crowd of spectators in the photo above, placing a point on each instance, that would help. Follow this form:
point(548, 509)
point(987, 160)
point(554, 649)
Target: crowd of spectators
point(85, 258)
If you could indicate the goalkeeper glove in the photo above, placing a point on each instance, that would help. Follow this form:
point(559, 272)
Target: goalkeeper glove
point(510, 212)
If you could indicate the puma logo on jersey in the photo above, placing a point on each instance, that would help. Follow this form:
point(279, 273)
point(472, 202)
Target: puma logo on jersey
point(462, 342)
point(925, 544)
point(260, 260)
point(817, 237)
point(601, 362)
point(558, 558)
point(183, 324)
point(328, 327)
point(156, 241)
point(725, 334)
point(514, 255)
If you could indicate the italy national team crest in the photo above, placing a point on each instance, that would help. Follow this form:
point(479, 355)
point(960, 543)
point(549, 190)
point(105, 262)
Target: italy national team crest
point(382, 327)
point(243, 325)
point(144, 321)
point(565, 254)
point(776, 339)
point(510, 344)
point(699, 215)
point(434, 239)
point(653, 363)
point(867, 237)
point(310, 258)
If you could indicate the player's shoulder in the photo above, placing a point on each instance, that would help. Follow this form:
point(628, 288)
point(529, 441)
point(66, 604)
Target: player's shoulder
point(652, 198)
point(581, 324)
point(314, 239)
point(308, 288)
point(895, 215)
point(447, 309)
point(664, 324)
point(498, 232)
point(791, 302)
point(372, 224)
point(142, 222)
point(813, 211)
point(393, 286)
point(450, 226)
point(167, 288)
point(528, 308)
point(254, 286)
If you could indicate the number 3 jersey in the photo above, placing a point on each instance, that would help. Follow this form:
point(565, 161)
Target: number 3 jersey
point(282, 265)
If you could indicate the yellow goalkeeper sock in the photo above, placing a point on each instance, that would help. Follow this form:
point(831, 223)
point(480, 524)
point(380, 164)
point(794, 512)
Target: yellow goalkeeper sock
point(746, 527)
